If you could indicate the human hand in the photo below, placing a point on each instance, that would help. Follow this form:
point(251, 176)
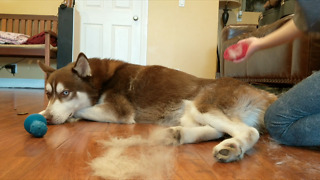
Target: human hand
point(252, 47)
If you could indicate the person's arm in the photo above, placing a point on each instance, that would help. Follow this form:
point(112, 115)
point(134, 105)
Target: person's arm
point(285, 33)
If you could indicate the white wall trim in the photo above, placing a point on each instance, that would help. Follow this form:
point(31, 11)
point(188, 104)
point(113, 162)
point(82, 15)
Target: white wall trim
point(21, 83)
point(144, 32)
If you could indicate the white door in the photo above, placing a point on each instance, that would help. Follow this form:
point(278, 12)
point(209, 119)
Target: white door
point(112, 29)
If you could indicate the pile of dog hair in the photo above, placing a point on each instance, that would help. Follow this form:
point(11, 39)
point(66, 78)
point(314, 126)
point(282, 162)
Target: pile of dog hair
point(135, 157)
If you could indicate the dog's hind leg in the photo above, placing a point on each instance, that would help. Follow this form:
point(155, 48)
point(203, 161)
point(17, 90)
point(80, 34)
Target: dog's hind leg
point(190, 131)
point(185, 135)
point(243, 137)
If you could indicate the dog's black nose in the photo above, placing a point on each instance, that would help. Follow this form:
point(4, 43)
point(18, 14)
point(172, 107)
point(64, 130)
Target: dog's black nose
point(48, 118)
point(49, 121)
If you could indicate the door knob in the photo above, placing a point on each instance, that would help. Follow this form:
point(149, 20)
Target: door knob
point(135, 18)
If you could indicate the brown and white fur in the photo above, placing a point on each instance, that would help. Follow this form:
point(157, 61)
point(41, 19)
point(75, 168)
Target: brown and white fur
point(195, 109)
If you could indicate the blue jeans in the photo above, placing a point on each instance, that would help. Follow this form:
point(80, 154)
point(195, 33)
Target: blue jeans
point(294, 119)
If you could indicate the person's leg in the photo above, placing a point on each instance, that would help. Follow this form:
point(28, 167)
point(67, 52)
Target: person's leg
point(294, 119)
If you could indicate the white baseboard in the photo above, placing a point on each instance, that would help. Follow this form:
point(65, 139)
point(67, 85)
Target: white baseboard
point(21, 83)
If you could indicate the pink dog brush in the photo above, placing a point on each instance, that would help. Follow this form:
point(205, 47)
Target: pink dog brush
point(235, 52)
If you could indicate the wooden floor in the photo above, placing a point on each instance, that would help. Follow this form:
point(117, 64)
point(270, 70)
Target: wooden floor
point(66, 149)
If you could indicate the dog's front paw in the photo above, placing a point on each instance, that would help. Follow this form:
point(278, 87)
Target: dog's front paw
point(73, 119)
point(170, 136)
point(227, 151)
point(174, 135)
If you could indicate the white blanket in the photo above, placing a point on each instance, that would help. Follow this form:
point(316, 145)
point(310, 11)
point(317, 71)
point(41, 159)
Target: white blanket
point(12, 38)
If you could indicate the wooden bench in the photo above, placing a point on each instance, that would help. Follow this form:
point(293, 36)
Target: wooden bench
point(30, 25)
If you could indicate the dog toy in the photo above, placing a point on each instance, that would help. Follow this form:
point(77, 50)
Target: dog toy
point(36, 125)
point(236, 52)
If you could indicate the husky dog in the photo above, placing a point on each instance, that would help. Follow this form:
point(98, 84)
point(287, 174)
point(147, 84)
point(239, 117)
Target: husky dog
point(195, 109)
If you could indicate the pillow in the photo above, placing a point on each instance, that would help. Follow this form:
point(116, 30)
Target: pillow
point(40, 39)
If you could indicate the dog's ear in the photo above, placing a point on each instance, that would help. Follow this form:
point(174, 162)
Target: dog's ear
point(82, 67)
point(45, 68)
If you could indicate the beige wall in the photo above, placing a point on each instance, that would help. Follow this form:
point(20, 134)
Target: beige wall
point(41, 7)
point(183, 38)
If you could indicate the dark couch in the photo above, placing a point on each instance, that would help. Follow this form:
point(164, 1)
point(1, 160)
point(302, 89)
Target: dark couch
point(288, 63)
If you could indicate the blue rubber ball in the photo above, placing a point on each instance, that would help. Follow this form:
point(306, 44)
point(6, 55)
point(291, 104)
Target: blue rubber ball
point(36, 125)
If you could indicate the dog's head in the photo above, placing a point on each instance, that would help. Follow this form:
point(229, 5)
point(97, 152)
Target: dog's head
point(68, 90)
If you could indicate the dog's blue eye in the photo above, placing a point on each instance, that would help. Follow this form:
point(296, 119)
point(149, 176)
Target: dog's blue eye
point(65, 93)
